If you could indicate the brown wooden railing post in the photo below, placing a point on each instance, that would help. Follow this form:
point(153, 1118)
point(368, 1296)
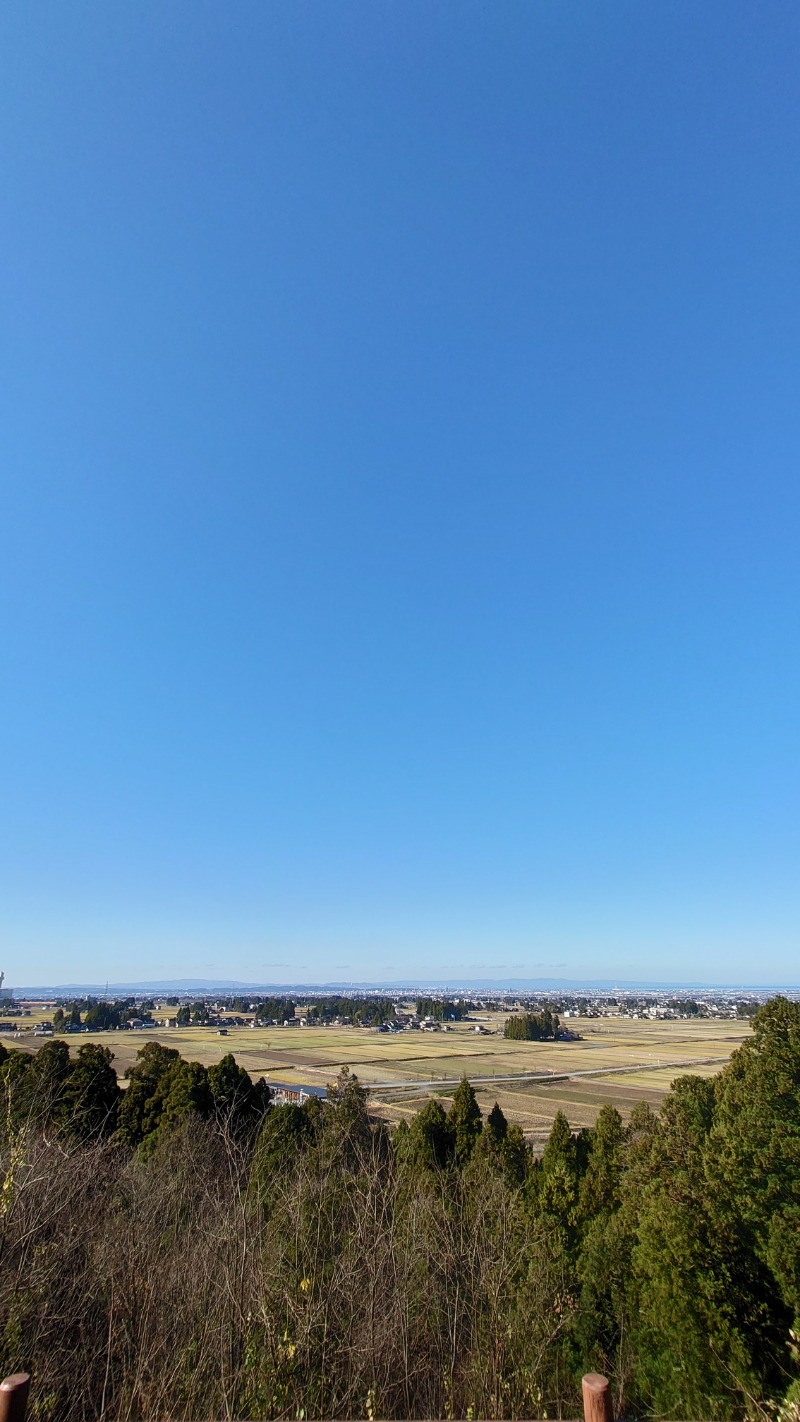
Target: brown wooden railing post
point(596, 1399)
point(14, 1397)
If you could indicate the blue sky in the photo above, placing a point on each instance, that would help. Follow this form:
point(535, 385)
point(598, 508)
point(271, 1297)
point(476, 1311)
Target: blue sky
point(399, 436)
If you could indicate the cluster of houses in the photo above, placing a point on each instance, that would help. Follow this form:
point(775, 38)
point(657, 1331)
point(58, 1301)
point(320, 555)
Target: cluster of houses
point(213, 1018)
point(655, 1004)
point(404, 1020)
point(666, 1005)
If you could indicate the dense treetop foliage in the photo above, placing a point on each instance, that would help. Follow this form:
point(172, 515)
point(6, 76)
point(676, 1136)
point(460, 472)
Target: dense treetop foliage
point(81, 1094)
point(442, 1010)
point(188, 1249)
point(541, 1026)
point(361, 1011)
point(275, 1009)
point(100, 1016)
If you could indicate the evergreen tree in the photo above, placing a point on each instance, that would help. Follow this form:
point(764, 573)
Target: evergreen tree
point(557, 1181)
point(182, 1091)
point(430, 1137)
point(47, 1081)
point(17, 1091)
point(464, 1120)
point(515, 1156)
point(600, 1185)
point(755, 1144)
point(702, 1294)
point(135, 1115)
point(92, 1094)
point(533, 1026)
point(285, 1134)
point(496, 1127)
point(237, 1101)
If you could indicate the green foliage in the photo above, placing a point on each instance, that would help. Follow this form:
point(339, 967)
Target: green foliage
point(504, 1147)
point(601, 1182)
point(371, 1011)
point(182, 1090)
point(688, 1254)
point(137, 1117)
point(277, 1009)
point(442, 1010)
point(430, 1137)
point(465, 1122)
point(361, 1011)
point(541, 1026)
point(164, 1090)
point(285, 1133)
point(79, 1095)
point(347, 1119)
point(235, 1098)
point(515, 1156)
point(701, 1337)
point(18, 1091)
point(755, 1142)
point(558, 1178)
point(496, 1126)
point(92, 1094)
point(102, 1016)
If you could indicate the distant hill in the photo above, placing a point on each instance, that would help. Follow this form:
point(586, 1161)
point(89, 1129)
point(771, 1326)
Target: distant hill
point(230, 987)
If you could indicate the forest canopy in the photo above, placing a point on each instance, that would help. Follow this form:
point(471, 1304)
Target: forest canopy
point(541, 1026)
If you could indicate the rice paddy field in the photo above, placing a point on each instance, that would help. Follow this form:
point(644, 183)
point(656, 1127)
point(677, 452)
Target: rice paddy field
point(617, 1059)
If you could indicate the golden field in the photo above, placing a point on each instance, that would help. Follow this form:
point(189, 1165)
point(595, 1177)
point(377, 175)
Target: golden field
point(629, 1061)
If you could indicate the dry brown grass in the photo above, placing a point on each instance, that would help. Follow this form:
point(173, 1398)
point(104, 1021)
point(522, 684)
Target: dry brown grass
point(338, 1284)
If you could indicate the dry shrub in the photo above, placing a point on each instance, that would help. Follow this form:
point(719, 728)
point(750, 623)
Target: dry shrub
point(343, 1282)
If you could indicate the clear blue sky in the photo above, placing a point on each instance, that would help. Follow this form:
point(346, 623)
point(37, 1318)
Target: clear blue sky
point(399, 456)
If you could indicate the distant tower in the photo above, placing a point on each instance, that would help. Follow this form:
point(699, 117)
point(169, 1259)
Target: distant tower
point(4, 992)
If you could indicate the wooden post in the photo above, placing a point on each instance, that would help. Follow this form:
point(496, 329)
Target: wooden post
point(596, 1399)
point(14, 1397)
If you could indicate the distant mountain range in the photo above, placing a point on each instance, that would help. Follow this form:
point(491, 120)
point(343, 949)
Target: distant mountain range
point(229, 987)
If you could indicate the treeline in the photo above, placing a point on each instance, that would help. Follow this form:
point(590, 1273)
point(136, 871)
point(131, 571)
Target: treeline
point(81, 1095)
point(164, 1090)
point(442, 1010)
point(541, 1026)
point(275, 1009)
point(361, 1011)
point(171, 1257)
point(49, 1088)
point(97, 1016)
point(122, 1005)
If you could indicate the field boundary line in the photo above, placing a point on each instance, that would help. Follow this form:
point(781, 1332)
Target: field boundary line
point(446, 1083)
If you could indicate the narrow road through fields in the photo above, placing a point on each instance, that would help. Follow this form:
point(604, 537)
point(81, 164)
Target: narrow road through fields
point(446, 1082)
